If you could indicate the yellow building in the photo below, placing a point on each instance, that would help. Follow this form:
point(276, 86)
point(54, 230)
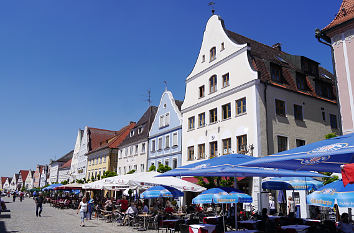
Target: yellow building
point(103, 152)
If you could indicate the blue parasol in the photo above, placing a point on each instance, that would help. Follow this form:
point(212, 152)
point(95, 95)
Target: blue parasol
point(228, 165)
point(51, 187)
point(323, 156)
point(161, 191)
point(292, 183)
point(331, 193)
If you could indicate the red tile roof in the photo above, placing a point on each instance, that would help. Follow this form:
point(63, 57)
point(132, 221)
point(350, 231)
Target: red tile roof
point(66, 165)
point(345, 13)
point(3, 179)
point(116, 140)
point(24, 174)
point(97, 136)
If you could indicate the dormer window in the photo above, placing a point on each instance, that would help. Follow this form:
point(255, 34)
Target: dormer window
point(222, 46)
point(140, 130)
point(212, 53)
point(131, 133)
point(212, 84)
point(301, 82)
point(276, 73)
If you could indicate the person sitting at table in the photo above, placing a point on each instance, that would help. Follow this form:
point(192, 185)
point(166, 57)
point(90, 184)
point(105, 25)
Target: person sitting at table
point(131, 211)
point(146, 208)
point(344, 225)
point(108, 205)
point(123, 204)
point(264, 225)
point(169, 209)
point(210, 209)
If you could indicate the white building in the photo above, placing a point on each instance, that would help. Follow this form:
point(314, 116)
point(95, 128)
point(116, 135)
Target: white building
point(54, 166)
point(29, 180)
point(246, 97)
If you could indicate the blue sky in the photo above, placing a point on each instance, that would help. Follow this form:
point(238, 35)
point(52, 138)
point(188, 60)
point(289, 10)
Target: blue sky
point(66, 64)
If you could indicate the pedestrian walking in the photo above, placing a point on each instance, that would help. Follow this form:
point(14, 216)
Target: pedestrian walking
point(291, 207)
point(39, 201)
point(90, 207)
point(83, 211)
point(14, 196)
point(21, 196)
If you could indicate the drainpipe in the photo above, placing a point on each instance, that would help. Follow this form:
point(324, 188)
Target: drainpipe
point(324, 39)
point(266, 113)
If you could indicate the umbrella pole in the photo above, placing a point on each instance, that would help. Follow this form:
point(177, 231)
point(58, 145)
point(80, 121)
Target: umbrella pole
point(236, 216)
point(223, 216)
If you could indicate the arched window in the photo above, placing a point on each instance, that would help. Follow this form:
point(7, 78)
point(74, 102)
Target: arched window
point(212, 84)
point(212, 53)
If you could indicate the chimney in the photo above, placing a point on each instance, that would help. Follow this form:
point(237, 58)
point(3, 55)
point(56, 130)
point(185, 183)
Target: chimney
point(277, 46)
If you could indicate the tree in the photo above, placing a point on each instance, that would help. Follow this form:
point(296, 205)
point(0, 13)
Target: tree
point(330, 135)
point(79, 181)
point(152, 168)
point(98, 177)
point(108, 174)
point(163, 168)
point(215, 181)
point(131, 171)
point(330, 179)
point(92, 178)
point(65, 182)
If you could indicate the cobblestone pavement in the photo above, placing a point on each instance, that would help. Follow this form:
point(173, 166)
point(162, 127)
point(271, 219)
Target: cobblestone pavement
point(22, 218)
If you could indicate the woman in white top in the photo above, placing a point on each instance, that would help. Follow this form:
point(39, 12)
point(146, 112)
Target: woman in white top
point(83, 210)
point(291, 207)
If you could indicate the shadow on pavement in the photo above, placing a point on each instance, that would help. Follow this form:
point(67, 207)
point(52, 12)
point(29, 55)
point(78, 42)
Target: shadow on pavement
point(3, 228)
point(5, 216)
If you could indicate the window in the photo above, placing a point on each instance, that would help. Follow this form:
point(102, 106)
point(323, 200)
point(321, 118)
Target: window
point(212, 84)
point(120, 171)
point(153, 145)
point(203, 58)
point(131, 150)
point(201, 119)
point(175, 139)
point(190, 153)
point(241, 106)
point(276, 73)
point(191, 123)
point(125, 152)
point(226, 146)
point(104, 158)
point(140, 130)
point(136, 149)
point(167, 141)
point(162, 123)
point(212, 53)
point(226, 111)
point(225, 80)
point(125, 170)
point(300, 142)
point(298, 112)
point(213, 115)
point(135, 167)
point(89, 162)
point(323, 116)
point(242, 144)
point(301, 82)
point(333, 121)
point(201, 151)
point(280, 107)
point(222, 46)
point(282, 143)
point(201, 91)
point(174, 164)
point(131, 133)
point(167, 119)
point(100, 159)
point(142, 167)
point(213, 149)
point(324, 89)
point(160, 144)
point(166, 163)
point(143, 148)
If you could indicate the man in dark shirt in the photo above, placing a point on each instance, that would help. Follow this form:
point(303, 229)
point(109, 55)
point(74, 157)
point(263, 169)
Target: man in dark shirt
point(39, 201)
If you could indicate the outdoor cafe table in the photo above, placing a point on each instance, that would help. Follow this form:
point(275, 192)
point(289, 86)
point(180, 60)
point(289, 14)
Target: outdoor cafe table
point(195, 228)
point(298, 228)
point(170, 223)
point(178, 214)
point(144, 215)
point(211, 219)
point(249, 224)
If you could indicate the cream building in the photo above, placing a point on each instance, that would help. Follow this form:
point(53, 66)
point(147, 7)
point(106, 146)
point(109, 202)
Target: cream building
point(246, 97)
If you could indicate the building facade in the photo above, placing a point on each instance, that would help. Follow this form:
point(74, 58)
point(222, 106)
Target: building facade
point(37, 176)
point(64, 172)
point(29, 180)
point(43, 181)
point(104, 157)
point(340, 34)
point(54, 166)
point(165, 136)
point(14, 182)
point(246, 97)
point(133, 151)
point(7, 183)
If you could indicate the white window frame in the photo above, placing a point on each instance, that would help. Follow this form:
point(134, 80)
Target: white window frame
point(136, 149)
point(167, 141)
point(175, 144)
point(153, 145)
point(275, 107)
point(143, 147)
point(287, 142)
point(161, 121)
point(159, 145)
point(167, 119)
point(173, 159)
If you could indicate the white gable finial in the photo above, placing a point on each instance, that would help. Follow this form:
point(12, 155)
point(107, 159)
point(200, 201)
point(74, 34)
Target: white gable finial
point(165, 82)
point(212, 7)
